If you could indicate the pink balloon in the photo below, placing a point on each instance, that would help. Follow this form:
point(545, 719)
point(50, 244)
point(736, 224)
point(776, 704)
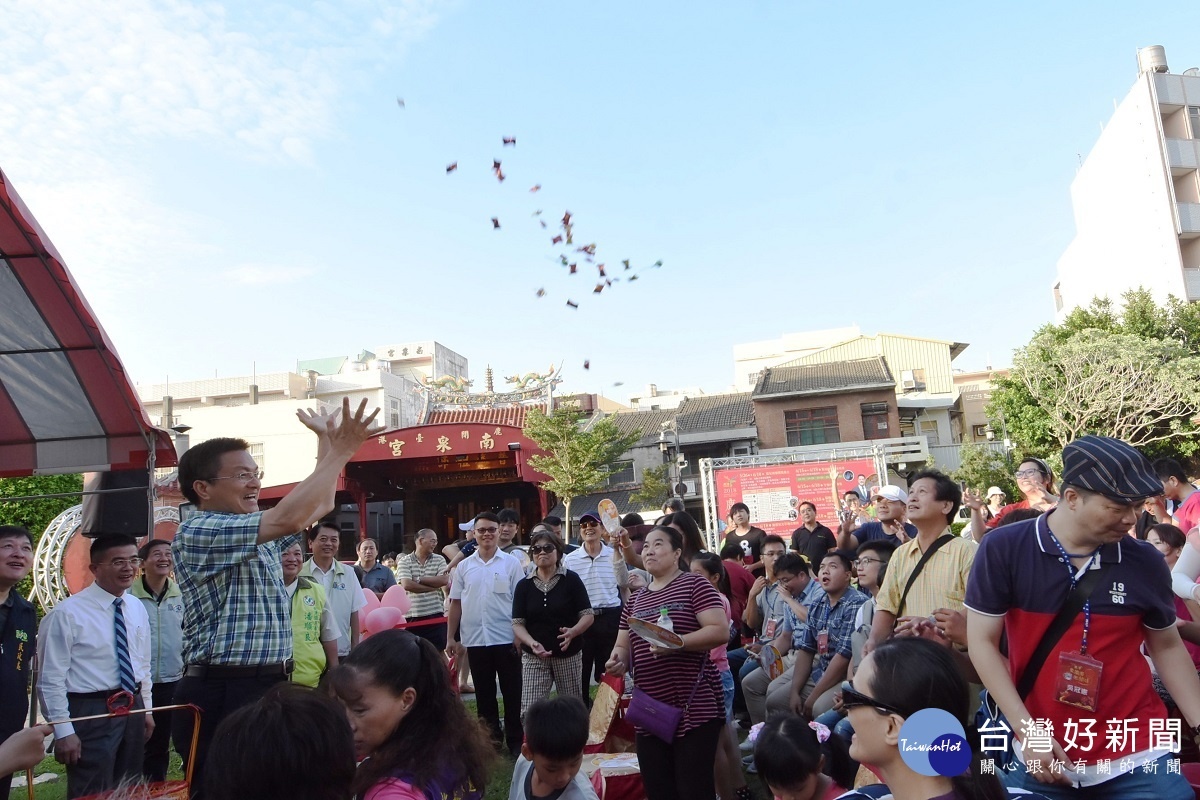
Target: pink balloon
point(384, 618)
point(372, 602)
point(396, 597)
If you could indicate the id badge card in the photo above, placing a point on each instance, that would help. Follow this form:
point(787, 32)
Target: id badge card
point(769, 629)
point(822, 642)
point(1078, 681)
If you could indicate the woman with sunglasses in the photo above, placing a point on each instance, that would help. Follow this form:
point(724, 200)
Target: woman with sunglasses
point(550, 612)
point(896, 680)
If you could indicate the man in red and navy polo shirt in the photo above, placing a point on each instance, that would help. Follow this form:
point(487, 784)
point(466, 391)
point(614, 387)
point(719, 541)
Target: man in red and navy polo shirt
point(1094, 690)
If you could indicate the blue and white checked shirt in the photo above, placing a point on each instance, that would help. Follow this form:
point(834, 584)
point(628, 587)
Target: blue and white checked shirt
point(235, 609)
point(837, 622)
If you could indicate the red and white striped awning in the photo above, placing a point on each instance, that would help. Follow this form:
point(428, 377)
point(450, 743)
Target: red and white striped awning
point(66, 404)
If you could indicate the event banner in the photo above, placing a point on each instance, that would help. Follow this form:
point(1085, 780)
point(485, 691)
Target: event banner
point(773, 493)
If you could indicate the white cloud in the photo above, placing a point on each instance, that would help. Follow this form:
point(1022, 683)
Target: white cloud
point(87, 87)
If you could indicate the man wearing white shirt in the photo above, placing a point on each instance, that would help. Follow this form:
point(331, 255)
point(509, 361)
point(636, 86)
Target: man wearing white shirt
point(94, 647)
point(481, 604)
point(602, 569)
point(342, 590)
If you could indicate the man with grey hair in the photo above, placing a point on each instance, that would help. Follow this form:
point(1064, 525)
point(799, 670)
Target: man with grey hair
point(423, 574)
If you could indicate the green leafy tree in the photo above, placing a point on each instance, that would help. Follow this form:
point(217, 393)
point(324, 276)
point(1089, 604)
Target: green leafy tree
point(36, 514)
point(654, 490)
point(577, 457)
point(1131, 373)
point(983, 467)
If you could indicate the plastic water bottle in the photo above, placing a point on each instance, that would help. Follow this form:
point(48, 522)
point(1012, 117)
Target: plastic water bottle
point(664, 620)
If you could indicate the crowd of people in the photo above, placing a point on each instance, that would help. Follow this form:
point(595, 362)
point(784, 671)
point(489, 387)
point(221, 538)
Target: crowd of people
point(1055, 635)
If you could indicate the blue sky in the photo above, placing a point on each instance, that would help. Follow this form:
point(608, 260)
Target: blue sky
point(235, 184)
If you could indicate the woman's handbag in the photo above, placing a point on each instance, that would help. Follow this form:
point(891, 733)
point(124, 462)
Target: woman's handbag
point(656, 717)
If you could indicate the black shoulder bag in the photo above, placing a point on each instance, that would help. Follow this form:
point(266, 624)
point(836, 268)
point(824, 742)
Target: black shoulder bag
point(928, 554)
point(989, 714)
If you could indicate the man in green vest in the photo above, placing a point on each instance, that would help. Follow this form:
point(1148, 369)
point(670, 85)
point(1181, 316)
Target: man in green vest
point(314, 632)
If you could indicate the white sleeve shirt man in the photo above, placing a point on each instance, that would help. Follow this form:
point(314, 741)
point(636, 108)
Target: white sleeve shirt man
point(77, 651)
point(343, 595)
point(598, 574)
point(485, 589)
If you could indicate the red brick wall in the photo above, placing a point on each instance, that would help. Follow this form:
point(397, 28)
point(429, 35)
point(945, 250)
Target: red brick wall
point(772, 431)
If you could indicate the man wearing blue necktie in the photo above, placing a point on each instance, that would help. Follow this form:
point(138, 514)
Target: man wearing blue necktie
point(94, 652)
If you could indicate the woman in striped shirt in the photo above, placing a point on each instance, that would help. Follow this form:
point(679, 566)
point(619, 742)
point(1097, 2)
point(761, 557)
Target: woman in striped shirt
point(685, 678)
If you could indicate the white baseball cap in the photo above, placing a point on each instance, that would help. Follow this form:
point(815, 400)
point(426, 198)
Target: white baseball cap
point(893, 493)
point(995, 490)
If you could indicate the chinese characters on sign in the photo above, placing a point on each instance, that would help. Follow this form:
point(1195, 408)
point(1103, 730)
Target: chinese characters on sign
point(1038, 737)
point(443, 444)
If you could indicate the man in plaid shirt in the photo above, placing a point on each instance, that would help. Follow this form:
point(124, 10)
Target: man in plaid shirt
point(824, 653)
point(237, 633)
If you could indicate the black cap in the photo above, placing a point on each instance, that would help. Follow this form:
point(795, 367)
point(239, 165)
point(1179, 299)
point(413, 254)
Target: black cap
point(1109, 467)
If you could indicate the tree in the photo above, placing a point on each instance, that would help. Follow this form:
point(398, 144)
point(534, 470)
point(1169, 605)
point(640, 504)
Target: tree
point(984, 467)
point(577, 457)
point(36, 514)
point(1132, 375)
point(655, 489)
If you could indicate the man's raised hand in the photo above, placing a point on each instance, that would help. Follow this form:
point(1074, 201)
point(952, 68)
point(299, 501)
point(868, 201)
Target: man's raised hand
point(322, 422)
point(354, 429)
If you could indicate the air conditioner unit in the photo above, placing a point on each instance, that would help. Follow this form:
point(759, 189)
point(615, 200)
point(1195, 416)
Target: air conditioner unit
point(908, 380)
point(690, 487)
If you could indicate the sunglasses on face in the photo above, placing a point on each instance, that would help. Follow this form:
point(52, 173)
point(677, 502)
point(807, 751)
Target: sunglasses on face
point(542, 548)
point(852, 698)
point(589, 523)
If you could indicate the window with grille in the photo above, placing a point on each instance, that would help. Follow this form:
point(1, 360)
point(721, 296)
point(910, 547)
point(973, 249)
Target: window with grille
point(620, 472)
point(811, 426)
point(875, 420)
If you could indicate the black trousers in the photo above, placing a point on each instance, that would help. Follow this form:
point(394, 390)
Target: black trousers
point(487, 664)
point(681, 770)
point(598, 641)
point(110, 749)
point(217, 698)
point(158, 746)
point(434, 633)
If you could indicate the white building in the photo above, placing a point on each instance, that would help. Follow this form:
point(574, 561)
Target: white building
point(656, 399)
point(262, 408)
point(1136, 198)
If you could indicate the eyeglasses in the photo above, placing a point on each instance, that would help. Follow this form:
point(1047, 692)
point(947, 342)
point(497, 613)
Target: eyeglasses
point(241, 477)
point(864, 561)
point(852, 698)
point(542, 548)
point(1027, 473)
point(589, 523)
point(486, 530)
point(122, 563)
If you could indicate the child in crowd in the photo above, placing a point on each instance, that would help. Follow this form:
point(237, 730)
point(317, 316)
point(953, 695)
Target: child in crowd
point(731, 781)
point(556, 730)
point(800, 760)
point(416, 736)
point(294, 742)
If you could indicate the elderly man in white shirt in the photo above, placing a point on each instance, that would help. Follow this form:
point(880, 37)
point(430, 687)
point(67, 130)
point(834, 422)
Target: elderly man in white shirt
point(342, 590)
point(603, 571)
point(481, 606)
point(94, 655)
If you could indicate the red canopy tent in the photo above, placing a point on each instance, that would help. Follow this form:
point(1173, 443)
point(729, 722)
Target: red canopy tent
point(66, 404)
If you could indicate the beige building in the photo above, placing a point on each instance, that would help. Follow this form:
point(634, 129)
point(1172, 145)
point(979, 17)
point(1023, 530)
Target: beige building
point(1136, 198)
point(926, 397)
point(974, 393)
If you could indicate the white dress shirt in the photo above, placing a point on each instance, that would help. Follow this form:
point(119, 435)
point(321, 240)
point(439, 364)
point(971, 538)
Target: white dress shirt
point(342, 593)
point(599, 575)
point(485, 589)
point(77, 650)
